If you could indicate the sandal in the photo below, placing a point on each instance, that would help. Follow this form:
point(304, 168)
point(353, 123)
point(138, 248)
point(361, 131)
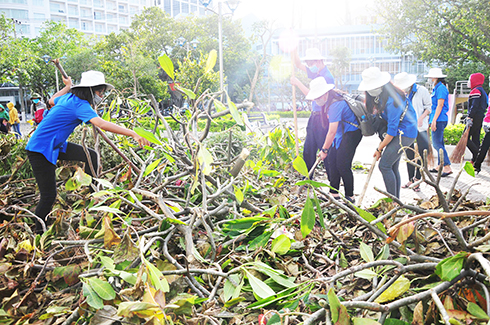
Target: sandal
point(446, 174)
point(416, 188)
point(407, 185)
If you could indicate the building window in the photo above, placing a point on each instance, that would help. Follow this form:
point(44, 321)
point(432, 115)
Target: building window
point(38, 3)
point(175, 8)
point(98, 15)
point(133, 10)
point(167, 6)
point(73, 23)
point(122, 8)
point(14, 1)
point(111, 29)
point(86, 2)
point(86, 13)
point(99, 3)
point(73, 10)
point(123, 20)
point(100, 28)
point(110, 18)
point(39, 17)
point(185, 8)
point(193, 8)
point(86, 26)
point(111, 6)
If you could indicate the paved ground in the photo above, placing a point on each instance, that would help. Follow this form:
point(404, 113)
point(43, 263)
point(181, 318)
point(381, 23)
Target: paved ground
point(480, 189)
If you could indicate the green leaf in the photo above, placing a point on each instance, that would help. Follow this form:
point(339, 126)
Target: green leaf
point(260, 241)
point(451, 267)
point(300, 166)
point(189, 93)
point(93, 298)
point(205, 160)
point(147, 135)
point(238, 194)
point(281, 245)
point(337, 310)
point(72, 184)
point(104, 182)
point(234, 112)
point(384, 253)
point(211, 62)
point(234, 301)
point(468, 167)
point(476, 311)
point(167, 65)
point(307, 218)
point(367, 274)
point(157, 278)
point(260, 288)
point(275, 275)
point(82, 178)
point(364, 321)
point(106, 209)
point(319, 211)
point(151, 167)
point(369, 217)
point(366, 253)
point(312, 183)
point(219, 106)
point(394, 321)
point(102, 288)
point(229, 288)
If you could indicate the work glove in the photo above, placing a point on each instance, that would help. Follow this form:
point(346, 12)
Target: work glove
point(469, 122)
point(486, 127)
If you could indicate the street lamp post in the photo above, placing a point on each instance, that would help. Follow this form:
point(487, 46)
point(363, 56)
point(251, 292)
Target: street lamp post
point(232, 5)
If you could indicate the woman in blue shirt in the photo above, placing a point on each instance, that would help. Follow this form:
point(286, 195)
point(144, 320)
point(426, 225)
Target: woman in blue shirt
point(48, 144)
point(438, 116)
point(342, 139)
point(382, 97)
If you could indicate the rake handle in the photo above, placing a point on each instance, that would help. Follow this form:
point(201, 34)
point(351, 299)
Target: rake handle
point(58, 65)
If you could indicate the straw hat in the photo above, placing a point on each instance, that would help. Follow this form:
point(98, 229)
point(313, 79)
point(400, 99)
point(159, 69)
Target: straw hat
point(92, 79)
point(435, 73)
point(318, 88)
point(313, 54)
point(373, 78)
point(404, 80)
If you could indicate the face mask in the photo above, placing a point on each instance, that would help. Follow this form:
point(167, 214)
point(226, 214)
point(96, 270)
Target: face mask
point(407, 90)
point(35, 101)
point(97, 99)
point(375, 92)
point(314, 69)
point(321, 100)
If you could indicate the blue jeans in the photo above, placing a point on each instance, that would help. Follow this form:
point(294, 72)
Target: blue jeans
point(438, 142)
point(16, 128)
point(389, 162)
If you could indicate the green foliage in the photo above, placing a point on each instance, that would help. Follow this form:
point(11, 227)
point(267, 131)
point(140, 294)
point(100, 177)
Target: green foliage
point(451, 267)
point(454, 132)
point(191, 70)
point(287, 114)
point(444, 31)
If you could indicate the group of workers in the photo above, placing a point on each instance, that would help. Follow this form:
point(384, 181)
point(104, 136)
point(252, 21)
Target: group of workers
point(408, 111)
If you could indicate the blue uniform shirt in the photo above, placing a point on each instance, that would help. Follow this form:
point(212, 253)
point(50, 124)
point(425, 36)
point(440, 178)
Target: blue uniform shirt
point(325, 73)
point(50, 137)
point(340, 112)
point(439, 92)
point(392, 115)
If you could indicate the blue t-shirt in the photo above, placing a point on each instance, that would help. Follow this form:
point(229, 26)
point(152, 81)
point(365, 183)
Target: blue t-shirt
point(340, 112)
point(50, 137)
point(325, 73)
point(392, 115)
point(439, 92)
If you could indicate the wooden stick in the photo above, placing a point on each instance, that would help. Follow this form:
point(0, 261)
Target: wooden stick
point(58, 65)
point(294, 110)
point(367, 181)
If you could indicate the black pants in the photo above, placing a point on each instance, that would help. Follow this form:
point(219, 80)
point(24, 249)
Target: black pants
point(45, 175)
point(423, 144)
point(474, 136)
point(482, 152)
point(340, 162)
point(315, 137)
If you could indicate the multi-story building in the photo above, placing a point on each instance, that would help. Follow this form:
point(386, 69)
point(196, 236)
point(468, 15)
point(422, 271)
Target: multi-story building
point(99, 17)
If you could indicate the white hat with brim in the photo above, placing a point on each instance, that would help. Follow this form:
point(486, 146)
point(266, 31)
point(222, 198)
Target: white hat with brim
point(373, 78)
point(318, 88)
point(313, 54)
point(404, 80)
point(93, 79)
point(435, 73)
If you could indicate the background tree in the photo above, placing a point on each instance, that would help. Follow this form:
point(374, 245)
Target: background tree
point(340, 64)
point(448, 31)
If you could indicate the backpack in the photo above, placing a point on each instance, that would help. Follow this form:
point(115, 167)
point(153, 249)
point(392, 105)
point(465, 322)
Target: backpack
point(38, 116)
point(366, 122)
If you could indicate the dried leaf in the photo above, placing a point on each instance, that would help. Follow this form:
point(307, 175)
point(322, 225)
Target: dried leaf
point(110, 236)
point(418, 314)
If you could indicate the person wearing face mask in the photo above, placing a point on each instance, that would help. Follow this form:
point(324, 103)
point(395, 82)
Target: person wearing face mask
point(342, 138)
point(420, 98)
point(37, 107)
point(438, 118)
point(317, 127)
point(71, 106)
point(477, 107)
point(383, 98)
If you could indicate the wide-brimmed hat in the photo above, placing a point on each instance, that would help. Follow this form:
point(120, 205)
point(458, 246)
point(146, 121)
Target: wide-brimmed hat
point(10, 105)
point(404, 80)
point(92, 79)
point(36, 95)
point(373, 78)
point(318, 88)
point(435, 73)
point(313, 54)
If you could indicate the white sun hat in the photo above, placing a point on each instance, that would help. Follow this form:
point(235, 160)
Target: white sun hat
point(313, 54)
point(92, 79)
point(404, 80)
point(435, 73)
point(373, 78)
point(318, 88)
